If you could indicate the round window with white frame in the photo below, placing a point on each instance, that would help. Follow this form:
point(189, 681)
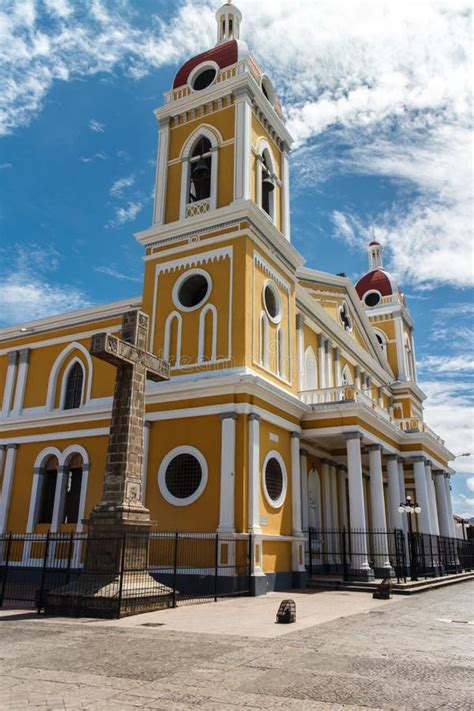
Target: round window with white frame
point(182, 476)
point(272, 301)
point(192, 290)
point(372, 298)
point(203, 76)
point(275, 479)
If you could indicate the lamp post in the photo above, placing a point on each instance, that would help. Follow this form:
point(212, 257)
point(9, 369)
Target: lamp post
point(411, 508)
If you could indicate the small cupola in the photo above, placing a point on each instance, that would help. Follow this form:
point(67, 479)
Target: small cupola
point(228, 19)
point(375, 256)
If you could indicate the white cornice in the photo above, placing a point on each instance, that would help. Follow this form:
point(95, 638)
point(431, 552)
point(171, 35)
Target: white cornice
point(68, 319)
point(401, 388)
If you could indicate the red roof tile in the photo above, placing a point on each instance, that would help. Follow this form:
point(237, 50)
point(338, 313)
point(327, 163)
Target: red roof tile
point(224, 55)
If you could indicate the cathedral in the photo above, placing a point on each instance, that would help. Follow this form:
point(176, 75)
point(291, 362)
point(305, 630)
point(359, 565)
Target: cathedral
point(293, 401)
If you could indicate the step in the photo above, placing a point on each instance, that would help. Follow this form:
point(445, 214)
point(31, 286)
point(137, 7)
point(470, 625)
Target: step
point(408, 588)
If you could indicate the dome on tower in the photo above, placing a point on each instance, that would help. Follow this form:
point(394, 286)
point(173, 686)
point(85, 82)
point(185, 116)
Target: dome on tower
point(377, 282)
point(223, 55)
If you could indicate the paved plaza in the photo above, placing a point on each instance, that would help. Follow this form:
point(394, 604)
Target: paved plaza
point(346, 651)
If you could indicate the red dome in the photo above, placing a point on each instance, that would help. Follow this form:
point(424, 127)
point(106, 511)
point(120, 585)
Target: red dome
point(223, 55)
point(374, 244)
point(377, 280)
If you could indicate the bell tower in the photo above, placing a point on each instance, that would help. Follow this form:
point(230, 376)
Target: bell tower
point(228, 19)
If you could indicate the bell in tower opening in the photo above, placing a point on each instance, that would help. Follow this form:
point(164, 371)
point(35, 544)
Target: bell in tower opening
point(200, 173)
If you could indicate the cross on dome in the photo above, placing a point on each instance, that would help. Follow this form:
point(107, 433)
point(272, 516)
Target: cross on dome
point(228, 19)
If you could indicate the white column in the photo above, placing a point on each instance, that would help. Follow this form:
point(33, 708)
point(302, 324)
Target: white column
point(356, 501)
point(146, 444)
point(441, 500)
point(83, 498)
point(334, 511)
point(285, 193)
point(377, 500)
point(452, 525)
point(7, 485)
point(304, 489)
point(300, 347)
point(254, 474)
point(329, 366)
point(23, 360)
point(34, 500)
point(400, 343)
point(58, 506)
point(357, 381)
point(322, 361)
point(432, 498)
point(9, 383)
point(343, 497)
point(161, 172)
point(401, 480)
point(243, 148)
point(2, 457)
point(327, 511)
point(394, 491)
point(422, 494)
point(227, 500)
point(297, 546)
point(337, 363)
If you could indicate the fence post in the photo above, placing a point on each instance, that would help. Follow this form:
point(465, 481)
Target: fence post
point(122, 566)
point(344, 555)
point(71, 550)
point(175, 566)
point(216, 566)
point(7, 559)
point(310, 553)
point(43, 574)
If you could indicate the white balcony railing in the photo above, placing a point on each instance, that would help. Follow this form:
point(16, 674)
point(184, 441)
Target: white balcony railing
point(200, 207)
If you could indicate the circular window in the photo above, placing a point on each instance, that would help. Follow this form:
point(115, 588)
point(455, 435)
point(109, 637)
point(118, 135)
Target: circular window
point(271, 300)
point(204, 78)
point(274, 479)
point(191, 290)
point(182, 476)
point(372, 298)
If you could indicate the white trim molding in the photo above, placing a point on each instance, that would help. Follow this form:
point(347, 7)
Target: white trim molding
point(54, 373)
point(275, 503)
point(166, 494)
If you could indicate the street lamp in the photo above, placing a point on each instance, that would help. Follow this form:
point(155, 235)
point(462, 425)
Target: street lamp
point(411, 508)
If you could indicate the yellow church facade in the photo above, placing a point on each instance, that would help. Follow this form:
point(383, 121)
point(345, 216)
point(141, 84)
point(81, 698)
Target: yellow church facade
point(293, 400)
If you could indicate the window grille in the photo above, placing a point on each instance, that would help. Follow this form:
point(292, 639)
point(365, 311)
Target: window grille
point(73, 396)
point(274, 479)
point(183, 476)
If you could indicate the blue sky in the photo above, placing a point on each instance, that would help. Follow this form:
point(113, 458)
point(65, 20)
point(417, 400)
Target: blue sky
point(377, 96)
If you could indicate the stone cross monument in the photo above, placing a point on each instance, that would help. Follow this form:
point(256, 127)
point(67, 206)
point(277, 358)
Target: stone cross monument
point(115, 579)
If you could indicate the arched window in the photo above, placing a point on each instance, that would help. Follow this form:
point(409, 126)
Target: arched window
point(74, 386)
point(172, 347)
point(207, 348)
point(49, 477)
point(310, 368)
point(73, 484)
point(346, 376)
point(263, 337)
point(199, 174)
point(267, 184)
point(200, 171)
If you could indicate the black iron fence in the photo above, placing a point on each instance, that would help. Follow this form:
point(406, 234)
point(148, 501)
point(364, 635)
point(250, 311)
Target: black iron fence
point(122, 574)
point(359, 554)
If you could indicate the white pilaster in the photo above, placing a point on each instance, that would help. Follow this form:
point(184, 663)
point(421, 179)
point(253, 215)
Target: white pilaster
point(399, 339)
point(327, 509)
point(357, 380)
point(377, 500)
point(23, 360)
point(243, 147)
point(422, 494)
point(2, 457)
point(329, 365)
point(394, 491)
point(295, 484)
point(343, 497)
point(9, 383)
point(34, 498)
point(432, 498)
point(322, 361)
point(227, 499)
point(58, 506)
point(161, 172)
point(334, 511)
point(7, 485)
point(83, 498)
point(442, 504)
point(146, 444)
point(356, 501)
point(285, 194)
point(300, 349)
point(337, 365)
point(452, 525)
point(254, 474)
point(304, 489)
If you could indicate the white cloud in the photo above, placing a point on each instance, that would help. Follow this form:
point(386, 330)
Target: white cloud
point(116, 274)
point(96, 126)
point(447, 364)
point(26, 293)
point(470, 483)
point(120, 185)
point(4, 166)
point(61, 8)
point(125, 214)
point(91, 159)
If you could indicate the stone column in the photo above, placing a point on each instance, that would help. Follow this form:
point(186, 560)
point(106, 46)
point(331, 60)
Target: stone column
point(422, 494)
point(300, 347)
point(23, 360)
point(441, 499)
point(304, 489)
point(383, 568)
point(394, 491)
point(357, 380)
point(9, 383)
point(327, 512)
point(432, 500)
point(227, 498)
point(450, 505)
point(343, 496)
point(359, 562)
point(146, 443)
point(7, 485)
point(322, 361)
point(254, 474)
point(401, 479)
point(334, 512)
point(337, 365)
